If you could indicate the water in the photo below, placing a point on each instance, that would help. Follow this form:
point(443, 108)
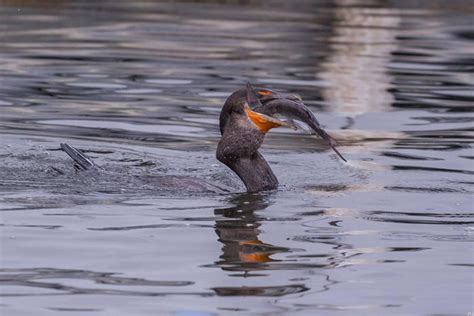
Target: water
point(139, 86)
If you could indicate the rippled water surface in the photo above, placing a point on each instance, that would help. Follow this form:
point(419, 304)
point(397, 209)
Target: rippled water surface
point(138, 85)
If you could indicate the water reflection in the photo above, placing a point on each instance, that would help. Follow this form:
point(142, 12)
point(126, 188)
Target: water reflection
point(239, 233)
point(245, 254)
point(57, 282)
point(356, 72)
point(243, 251)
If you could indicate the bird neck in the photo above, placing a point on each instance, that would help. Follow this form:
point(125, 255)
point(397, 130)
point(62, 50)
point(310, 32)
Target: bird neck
point(253, 170)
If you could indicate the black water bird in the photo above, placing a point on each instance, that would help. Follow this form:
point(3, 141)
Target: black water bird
point(247, 115)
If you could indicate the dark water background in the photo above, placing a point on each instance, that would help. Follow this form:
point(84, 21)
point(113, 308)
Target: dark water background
point(138, 85)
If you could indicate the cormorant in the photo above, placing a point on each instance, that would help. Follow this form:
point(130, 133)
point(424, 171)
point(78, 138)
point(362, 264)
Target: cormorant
point(247, 115)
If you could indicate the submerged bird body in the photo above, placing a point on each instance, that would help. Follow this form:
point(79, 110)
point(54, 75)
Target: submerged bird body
point(245, 118)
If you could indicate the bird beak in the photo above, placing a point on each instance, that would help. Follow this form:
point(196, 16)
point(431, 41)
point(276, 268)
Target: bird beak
point(264, 122)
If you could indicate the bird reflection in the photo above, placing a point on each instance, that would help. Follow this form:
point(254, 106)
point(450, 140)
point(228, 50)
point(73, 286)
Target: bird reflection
point(246, 255)
point(239, 233)
point(243, 251)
